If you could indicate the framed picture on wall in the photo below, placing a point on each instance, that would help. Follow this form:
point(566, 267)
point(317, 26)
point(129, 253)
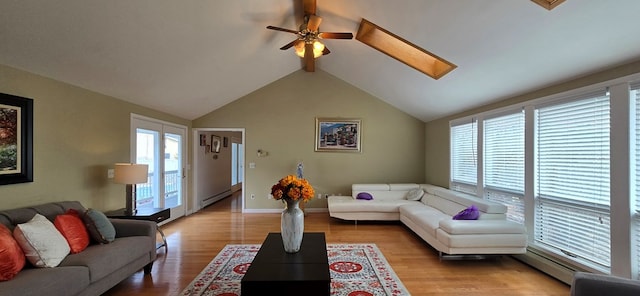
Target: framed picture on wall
point(16, 139)
point(203, 140)
point(215, 143)
point(338, 134)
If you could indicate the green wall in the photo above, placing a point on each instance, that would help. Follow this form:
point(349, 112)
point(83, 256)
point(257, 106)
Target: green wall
point(280, 119)
point(437, 131)
point(78, 135)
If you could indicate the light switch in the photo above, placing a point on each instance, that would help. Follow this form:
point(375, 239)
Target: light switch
point(110, 173)
point(252, 165)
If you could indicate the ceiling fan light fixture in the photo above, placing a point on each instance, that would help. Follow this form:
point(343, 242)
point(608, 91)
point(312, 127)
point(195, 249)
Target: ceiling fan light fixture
point(318, 49)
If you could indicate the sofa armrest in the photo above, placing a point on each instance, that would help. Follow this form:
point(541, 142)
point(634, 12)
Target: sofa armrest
point(587, 284)
point(127, 227)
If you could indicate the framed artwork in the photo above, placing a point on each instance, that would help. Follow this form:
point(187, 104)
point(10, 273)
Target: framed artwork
point(215, 143)
point(16, 139)
point(338, 134)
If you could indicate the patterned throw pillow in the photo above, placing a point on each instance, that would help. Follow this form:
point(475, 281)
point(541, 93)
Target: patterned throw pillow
point(11, 256)
point(72, 228)
point(415, 194)
point(41, 242)
point(470, 213)
point(99, 226)
point(364, 195)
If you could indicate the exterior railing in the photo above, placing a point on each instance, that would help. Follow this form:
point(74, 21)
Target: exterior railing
point(145, 194)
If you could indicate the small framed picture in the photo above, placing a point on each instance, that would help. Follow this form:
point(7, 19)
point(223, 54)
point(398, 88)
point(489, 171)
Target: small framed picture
point(338, 134)
point(215, 143)
point(203, 140)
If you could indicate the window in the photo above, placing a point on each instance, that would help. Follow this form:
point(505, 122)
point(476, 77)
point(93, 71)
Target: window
point(504, 162)
point(464, 160)
point(635, 97)
point(572, 162)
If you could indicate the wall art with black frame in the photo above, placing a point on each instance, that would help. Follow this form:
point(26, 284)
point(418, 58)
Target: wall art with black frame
point(16, 139)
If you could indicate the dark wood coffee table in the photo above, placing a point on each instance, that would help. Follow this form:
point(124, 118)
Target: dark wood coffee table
point(275, 272)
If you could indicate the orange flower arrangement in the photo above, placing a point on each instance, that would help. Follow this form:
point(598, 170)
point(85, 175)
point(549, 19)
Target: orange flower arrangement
point(292, 188)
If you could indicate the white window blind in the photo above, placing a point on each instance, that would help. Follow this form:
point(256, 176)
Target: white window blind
point(464, 153)
point(572, 178)
point(504, 163)
point(635, 96)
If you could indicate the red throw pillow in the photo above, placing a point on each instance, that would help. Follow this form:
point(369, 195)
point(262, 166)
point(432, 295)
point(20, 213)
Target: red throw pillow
point(72, 228)
point(12, 258)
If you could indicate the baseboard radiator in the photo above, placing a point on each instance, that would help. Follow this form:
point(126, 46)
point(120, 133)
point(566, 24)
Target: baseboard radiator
point(210, 200)
point(549, 265)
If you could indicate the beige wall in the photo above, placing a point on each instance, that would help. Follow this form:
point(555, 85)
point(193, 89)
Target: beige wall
point(78, 135)
point(437, 131)
point(280, 119)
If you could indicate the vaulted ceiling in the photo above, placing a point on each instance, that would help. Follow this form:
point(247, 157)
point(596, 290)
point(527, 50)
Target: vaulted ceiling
point(191, 57)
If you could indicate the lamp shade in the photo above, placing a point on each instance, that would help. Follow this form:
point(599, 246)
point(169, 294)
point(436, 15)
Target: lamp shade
point(130, 173)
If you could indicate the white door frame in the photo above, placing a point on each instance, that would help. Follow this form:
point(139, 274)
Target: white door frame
point(196, 147)
point(133, 152)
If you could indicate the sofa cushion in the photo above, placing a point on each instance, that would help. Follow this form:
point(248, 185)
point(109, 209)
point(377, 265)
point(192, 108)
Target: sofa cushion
point(99, 226)
point(481, 227)
point(415, 194)
point(12, 258)
point(104, 259)
point(41, 242)
point(403, 186)
point(72, 228)
point(470, 213)
point(364, 195)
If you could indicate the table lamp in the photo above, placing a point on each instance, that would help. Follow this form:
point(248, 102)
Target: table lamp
point(130, 174)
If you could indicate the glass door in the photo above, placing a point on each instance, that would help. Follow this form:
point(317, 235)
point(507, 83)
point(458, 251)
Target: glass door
point(237, 165)
point(161, 146)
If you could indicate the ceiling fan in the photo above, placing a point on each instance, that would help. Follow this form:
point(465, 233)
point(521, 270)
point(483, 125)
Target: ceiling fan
point(308, 45)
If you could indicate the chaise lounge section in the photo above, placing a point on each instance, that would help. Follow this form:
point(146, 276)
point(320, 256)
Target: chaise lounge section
point(430, 216)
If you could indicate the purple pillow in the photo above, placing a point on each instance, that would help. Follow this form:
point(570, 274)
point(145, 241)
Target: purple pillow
point(364, 195)
point(470, 213)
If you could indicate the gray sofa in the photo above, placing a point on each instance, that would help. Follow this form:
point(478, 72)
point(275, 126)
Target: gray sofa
point(90, 272)
point(589, 284)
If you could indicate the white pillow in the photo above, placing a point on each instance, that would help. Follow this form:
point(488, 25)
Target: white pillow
point(415, 194)
point(41, 242)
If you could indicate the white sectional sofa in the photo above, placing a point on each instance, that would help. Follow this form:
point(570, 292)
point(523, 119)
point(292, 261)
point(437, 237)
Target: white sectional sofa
point(431, 218)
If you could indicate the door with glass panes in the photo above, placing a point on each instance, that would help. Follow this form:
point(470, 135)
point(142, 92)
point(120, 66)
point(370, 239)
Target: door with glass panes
point(160, 145)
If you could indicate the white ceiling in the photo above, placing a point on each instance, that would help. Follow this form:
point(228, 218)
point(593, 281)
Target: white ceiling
point(190, 57)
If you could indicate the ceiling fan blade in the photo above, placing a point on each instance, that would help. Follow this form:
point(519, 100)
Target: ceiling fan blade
point(314, 23)
point(309, 7)
point(331, 35)
point(290, 44)
point(309, 60)
point(282, 29)
point(326, 51)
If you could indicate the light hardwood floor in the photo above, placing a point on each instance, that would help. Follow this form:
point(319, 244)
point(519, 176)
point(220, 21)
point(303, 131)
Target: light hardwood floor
point(195, 240)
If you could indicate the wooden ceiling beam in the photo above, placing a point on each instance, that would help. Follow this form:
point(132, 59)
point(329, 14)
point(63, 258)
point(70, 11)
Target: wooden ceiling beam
point(403, 50)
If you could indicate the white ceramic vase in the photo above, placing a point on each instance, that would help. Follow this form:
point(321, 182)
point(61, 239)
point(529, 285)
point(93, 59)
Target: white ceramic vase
point(292, 226)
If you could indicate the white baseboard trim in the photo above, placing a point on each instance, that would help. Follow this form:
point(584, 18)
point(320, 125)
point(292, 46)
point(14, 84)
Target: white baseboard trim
point(546, 264)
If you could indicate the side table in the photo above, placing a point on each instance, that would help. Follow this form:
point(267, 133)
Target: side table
point(150, 214)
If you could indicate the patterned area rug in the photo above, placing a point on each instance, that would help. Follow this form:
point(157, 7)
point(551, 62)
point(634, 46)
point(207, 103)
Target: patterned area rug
point(356, 270)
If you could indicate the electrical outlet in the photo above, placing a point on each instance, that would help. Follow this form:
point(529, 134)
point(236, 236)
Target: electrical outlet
point(253, 196)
